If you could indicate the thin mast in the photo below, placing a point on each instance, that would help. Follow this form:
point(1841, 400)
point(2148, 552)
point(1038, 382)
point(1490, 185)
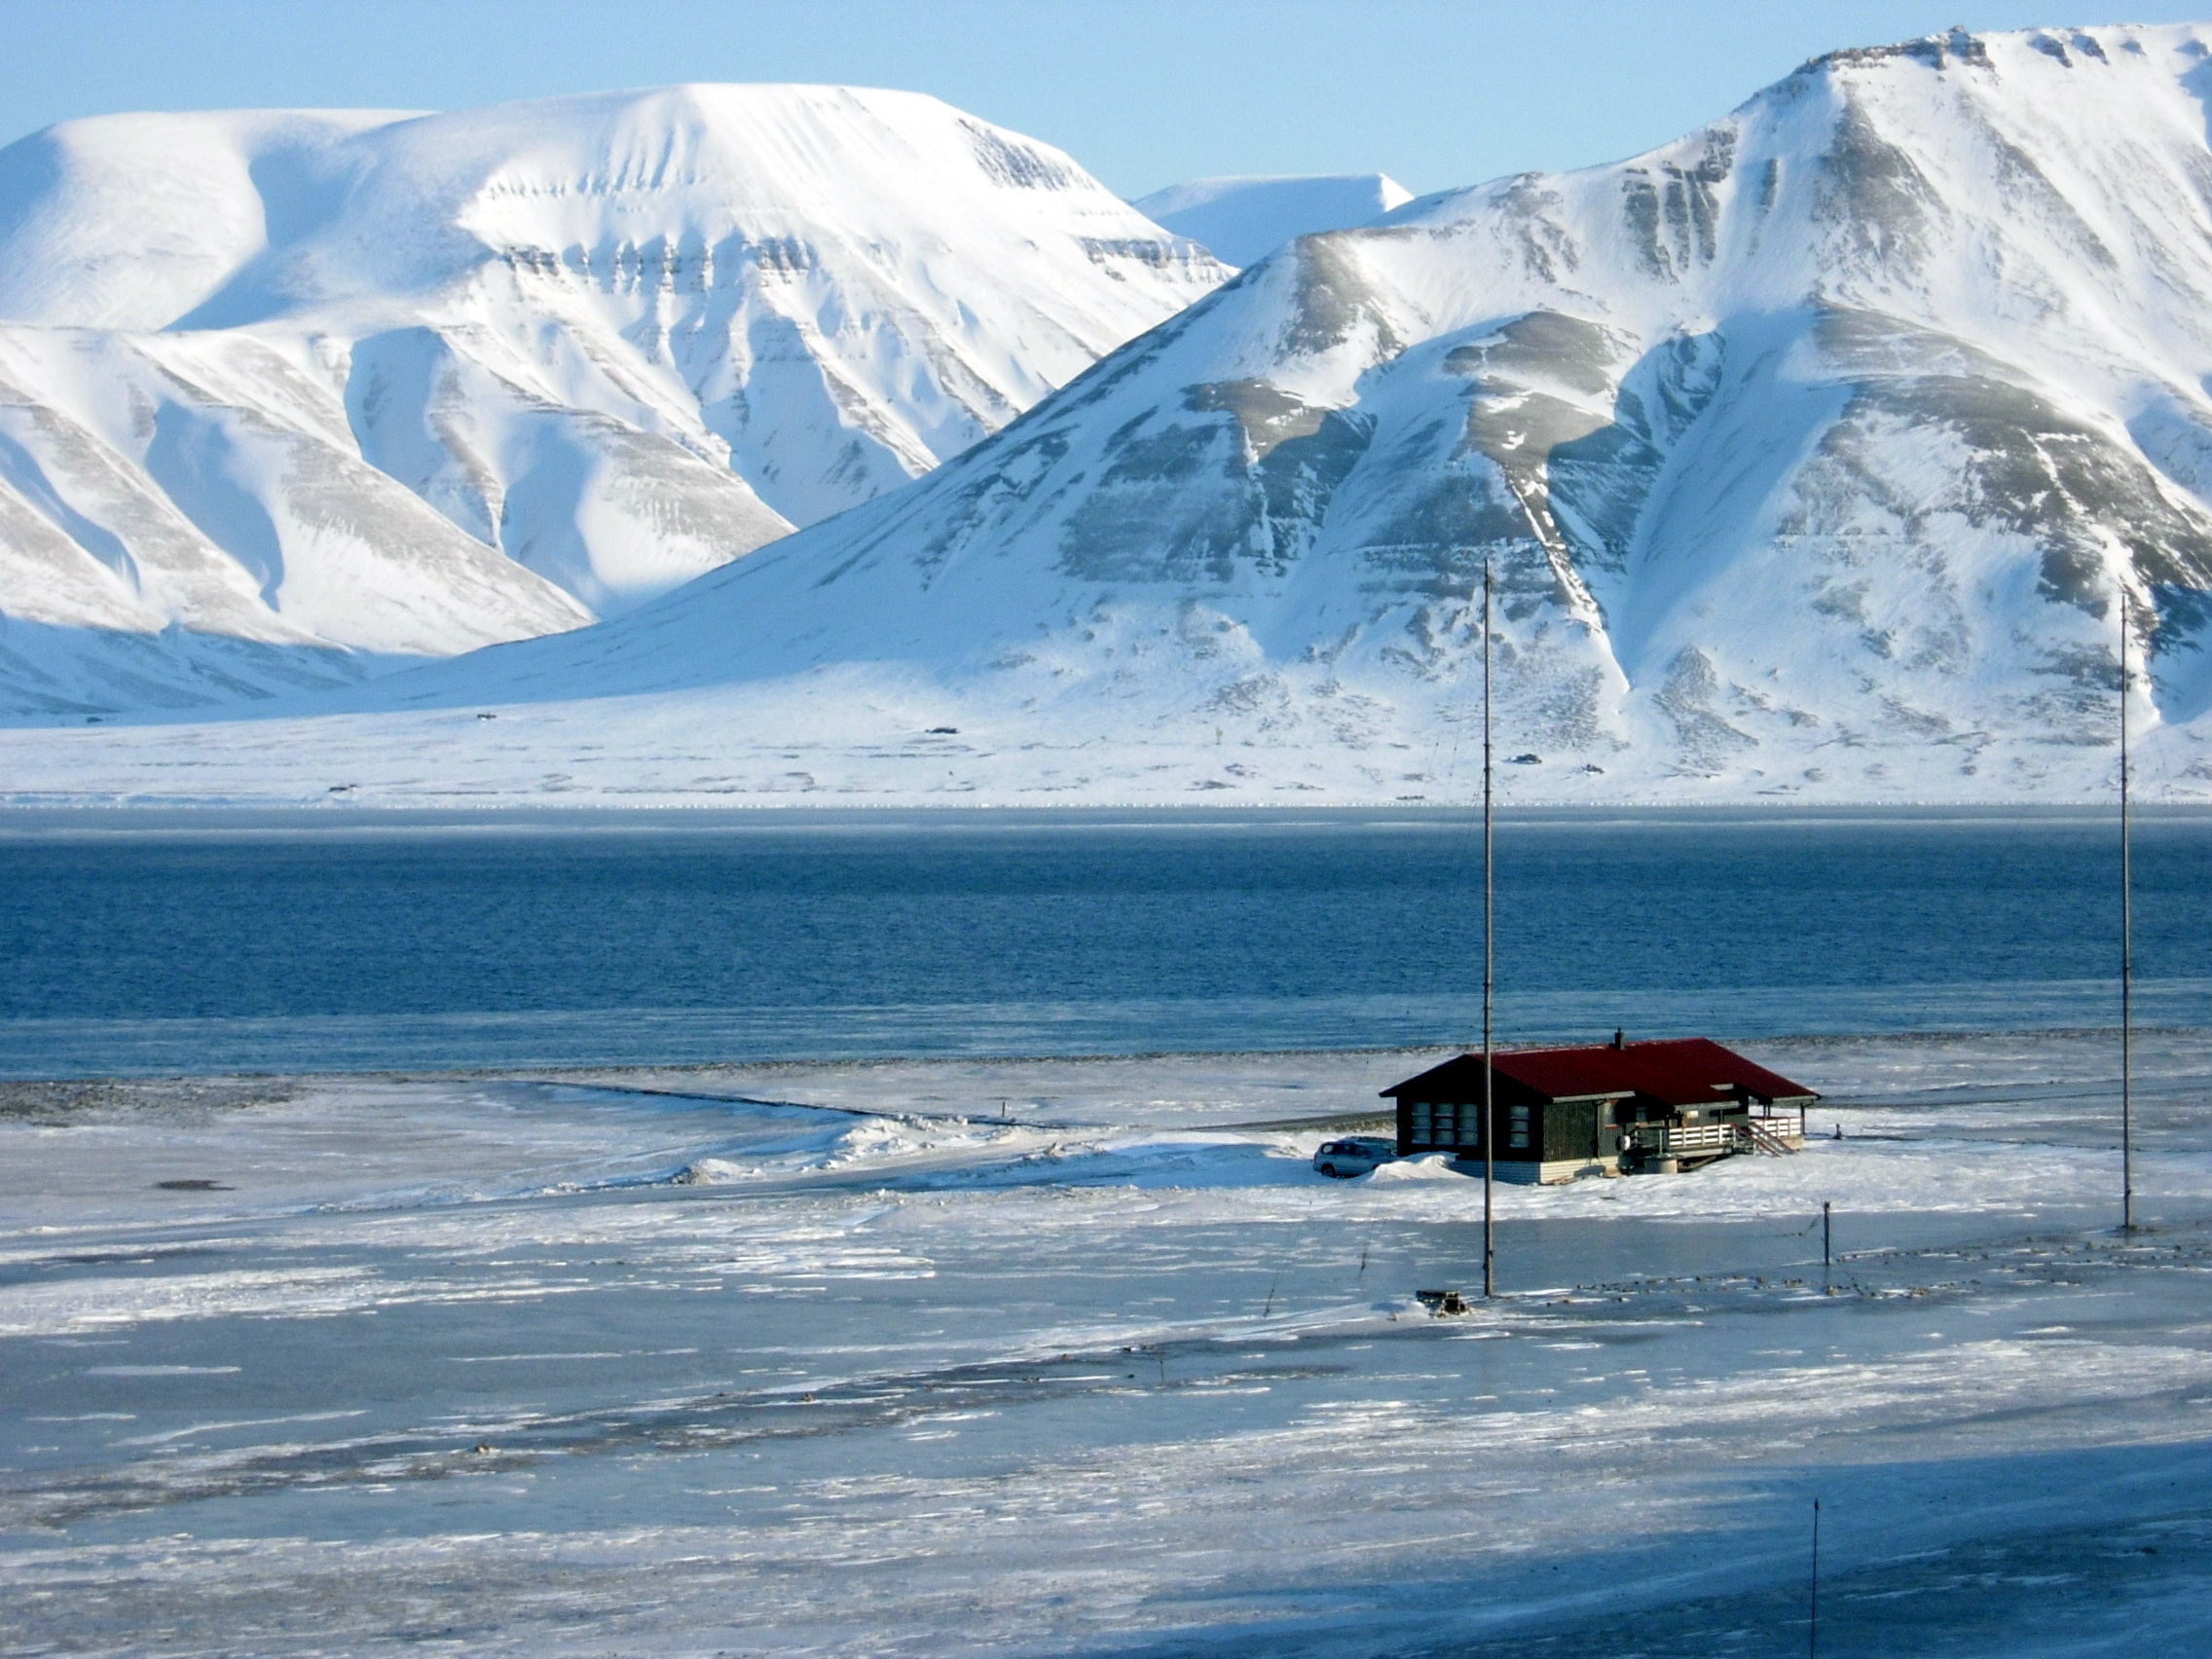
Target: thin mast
point(2126, 947)
point(1489, 944)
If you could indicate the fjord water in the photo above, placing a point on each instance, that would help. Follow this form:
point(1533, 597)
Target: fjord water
point(135, 943)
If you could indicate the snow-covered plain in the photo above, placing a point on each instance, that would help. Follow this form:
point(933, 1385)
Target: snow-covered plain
point(838, 1359)
point(876, 734)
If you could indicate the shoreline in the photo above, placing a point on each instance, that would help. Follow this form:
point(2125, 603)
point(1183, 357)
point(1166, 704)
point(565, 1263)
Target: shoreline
point(519, 811)
point(583, 1072)
point(667, 1078)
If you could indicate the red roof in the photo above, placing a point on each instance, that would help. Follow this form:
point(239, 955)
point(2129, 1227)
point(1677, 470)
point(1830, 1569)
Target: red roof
point(1685, 1071)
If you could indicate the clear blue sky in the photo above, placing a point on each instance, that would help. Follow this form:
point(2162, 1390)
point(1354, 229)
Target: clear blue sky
point(1144, 92)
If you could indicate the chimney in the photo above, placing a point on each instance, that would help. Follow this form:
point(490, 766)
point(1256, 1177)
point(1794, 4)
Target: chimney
point(1619, 1042)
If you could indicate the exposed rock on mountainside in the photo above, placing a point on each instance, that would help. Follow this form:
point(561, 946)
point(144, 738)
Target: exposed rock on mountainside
point(278, 388)
point(1810, 454)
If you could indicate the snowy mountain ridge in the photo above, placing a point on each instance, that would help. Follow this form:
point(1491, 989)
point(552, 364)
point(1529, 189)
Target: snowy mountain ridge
point(1810, 454)
point(1243, 220)
point(282, 387)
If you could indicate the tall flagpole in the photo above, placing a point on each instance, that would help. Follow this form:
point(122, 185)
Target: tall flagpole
point(2126, 947)
point(1490, 947)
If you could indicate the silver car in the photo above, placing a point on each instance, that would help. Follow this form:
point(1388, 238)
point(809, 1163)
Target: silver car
point(1354, 1156)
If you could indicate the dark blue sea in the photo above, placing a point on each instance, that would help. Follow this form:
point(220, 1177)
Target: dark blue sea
point(134, 943)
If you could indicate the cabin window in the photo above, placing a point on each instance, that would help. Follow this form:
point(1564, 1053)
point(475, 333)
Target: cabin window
point(1434, 1123)
point(1517, 1131)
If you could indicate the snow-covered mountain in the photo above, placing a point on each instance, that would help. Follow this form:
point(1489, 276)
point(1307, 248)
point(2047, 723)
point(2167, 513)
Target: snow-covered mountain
point(1243, 220)
point(279, 389)
point(1809, 452)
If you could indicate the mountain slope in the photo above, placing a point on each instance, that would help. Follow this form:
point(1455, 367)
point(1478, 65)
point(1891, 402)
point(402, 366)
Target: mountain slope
point(1810, 453)
point(351, 382)
point(1243, 220)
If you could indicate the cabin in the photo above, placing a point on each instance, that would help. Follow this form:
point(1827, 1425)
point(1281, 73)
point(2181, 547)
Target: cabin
point(1616, 1109)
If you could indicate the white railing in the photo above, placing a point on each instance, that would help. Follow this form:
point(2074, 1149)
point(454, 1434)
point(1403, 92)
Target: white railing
point(1693, 1140)
point(1774, 1135)
point(1717, 1139)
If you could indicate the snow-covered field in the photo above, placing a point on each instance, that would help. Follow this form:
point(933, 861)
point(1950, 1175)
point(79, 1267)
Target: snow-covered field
point(878, 738)
point(1079, 1355)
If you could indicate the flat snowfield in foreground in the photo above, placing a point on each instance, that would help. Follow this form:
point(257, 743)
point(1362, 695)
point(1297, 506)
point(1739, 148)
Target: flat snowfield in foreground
point(1081, 1356)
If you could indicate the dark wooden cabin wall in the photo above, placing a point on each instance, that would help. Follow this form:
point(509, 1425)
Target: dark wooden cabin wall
point(1571, 1129)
